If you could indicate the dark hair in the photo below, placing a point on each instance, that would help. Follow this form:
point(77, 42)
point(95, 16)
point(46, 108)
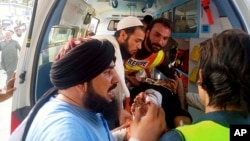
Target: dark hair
point(129, 30)
point(165, 22)
point(225, 69)
point(147, 19)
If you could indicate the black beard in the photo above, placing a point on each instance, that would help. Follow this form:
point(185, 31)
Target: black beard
point(150, 45)
point(124, 51)
point(98, 104)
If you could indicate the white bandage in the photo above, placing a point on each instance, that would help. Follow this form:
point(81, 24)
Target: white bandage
point(133, 139)
point(153, 96)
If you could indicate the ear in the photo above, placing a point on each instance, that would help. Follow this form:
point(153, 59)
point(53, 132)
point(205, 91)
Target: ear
point(199, 77)
point(123, 35)
point(82, 88)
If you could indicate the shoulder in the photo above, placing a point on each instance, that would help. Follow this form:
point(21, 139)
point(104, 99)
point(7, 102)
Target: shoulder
point(57, 129)
point(60, 113)
point(14, 41)
point(172, 135)
point(64, 134)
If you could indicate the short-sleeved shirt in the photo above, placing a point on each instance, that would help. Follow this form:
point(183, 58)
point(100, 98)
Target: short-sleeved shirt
point(58, 120)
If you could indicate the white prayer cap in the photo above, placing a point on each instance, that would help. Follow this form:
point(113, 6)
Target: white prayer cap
point(129, 21)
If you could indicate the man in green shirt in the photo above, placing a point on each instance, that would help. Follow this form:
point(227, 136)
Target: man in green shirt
point(10, 49)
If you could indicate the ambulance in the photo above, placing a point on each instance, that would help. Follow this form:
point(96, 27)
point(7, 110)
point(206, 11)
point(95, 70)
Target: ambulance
point(54, 22)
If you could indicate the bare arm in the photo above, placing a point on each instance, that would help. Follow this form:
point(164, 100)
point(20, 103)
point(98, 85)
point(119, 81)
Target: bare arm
point(9, 91)
point(4, 97)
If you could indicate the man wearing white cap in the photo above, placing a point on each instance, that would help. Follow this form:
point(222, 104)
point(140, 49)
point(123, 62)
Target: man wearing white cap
point(127, 40)
point(157, 53)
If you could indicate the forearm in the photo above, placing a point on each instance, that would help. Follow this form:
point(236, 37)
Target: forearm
point(182, 99)
point(181, 94)
point(182, 120)
point(4, 97)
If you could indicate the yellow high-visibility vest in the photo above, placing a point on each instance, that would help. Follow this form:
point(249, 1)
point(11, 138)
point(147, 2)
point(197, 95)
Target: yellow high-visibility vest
point(205, 131)
point(155, 59)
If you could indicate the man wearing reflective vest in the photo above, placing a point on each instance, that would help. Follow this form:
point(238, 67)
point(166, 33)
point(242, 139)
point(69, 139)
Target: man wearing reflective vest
point(158, 51)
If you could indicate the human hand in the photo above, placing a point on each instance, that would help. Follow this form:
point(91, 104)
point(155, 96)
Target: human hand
point(122, 126)
point(151, 126)
point(132, 81)
point(140, 101)
point(170, 84)
point(124, 115)
point(9, 89)
point(182, 120)
point(72, 43)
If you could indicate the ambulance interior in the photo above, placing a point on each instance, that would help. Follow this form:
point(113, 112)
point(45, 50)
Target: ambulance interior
point(194, 21)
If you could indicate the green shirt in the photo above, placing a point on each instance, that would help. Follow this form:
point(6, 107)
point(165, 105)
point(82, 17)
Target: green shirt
point(9, 54)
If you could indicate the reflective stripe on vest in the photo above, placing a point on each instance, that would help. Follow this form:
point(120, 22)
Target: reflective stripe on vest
point(153, 60)
point(205, 131)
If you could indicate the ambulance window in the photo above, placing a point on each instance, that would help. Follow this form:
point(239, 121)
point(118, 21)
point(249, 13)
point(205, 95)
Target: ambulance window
point(113, 25)
point(93, 25)
point(58, 34)
point(168, 14)
point(185, 17)
point(58, 37)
